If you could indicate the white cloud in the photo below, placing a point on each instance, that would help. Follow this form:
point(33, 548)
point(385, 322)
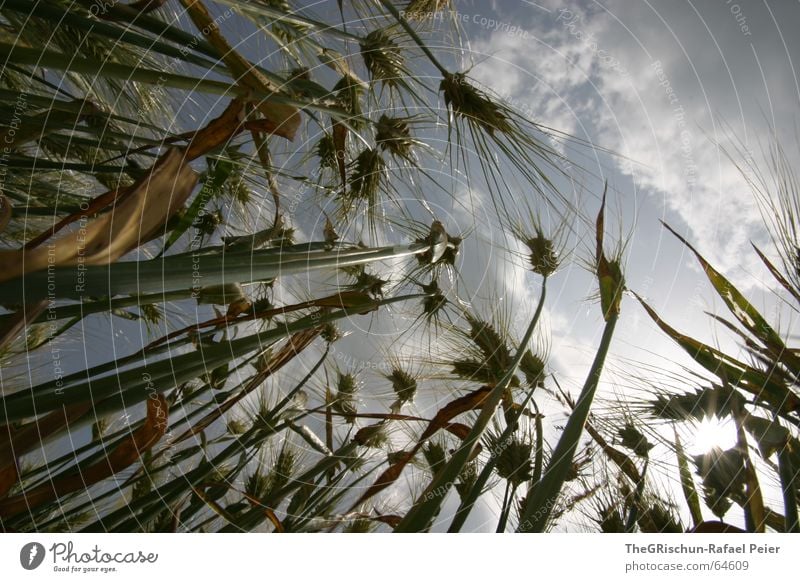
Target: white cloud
point(661, 92)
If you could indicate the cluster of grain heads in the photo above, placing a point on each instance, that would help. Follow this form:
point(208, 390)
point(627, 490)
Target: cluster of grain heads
point(487, 359)
point(543, 496)
point(393, 134)
point(543, 256)
point(384, 59)
point(404, 385)
point(489, 343)
point(345, 402)
point(744, 391)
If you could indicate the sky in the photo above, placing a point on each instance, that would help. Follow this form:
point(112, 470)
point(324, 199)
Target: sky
point(675, 94)
point(669, 87)
point(681, 93)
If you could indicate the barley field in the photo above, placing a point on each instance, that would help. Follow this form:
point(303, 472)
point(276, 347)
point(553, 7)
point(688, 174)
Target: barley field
point(392, 266)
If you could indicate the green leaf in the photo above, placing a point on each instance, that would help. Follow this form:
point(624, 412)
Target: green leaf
point(542, 499)
point(741, 308)
point(218, 173)
point(738, 374)
point(421, 514)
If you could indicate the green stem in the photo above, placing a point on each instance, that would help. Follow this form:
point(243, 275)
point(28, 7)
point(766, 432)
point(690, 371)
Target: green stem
point(186, 271)
point(81, 310)
point(134, 385)
point(508, 499)
point(415, 37)
point(420, 515)
point(633, 515)
point(542, 499)
point(789, 478)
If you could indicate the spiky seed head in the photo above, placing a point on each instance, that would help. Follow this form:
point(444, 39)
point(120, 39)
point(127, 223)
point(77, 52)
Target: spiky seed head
point(372, 436)
point(348, 93)
point(533, 368)
point(99, 428)
point(513, 460)
point(369, 283)
point(330, 333)
point(435, 302)
point(359, 526)
point(365, 179)
point(256, 484)
point(209, 221)
point(394, 457)
point(403, 384)
point(236, 188)
point(281, 472)
point(480, 372)
point(467, 102)
point(393, 134)
point(345, 402)
point(236, 426)
point(490, 343)
point(383, 58)
point(633, 439)
point(326, 151)
point(346, 384)
point(262, 304)
point(610, 519)
point(543, 256)
point(658, 518)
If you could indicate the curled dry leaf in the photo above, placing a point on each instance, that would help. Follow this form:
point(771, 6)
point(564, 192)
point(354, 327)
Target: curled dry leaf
point(124, 455)
point(149, 203)
point(16, 442)
point(296, 344)
point(472, 401)
point(282, 119)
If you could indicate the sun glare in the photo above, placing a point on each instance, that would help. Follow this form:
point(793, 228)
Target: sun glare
point(712, 432)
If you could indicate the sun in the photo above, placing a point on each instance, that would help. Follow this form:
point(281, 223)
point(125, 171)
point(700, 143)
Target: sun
point(712, 432)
